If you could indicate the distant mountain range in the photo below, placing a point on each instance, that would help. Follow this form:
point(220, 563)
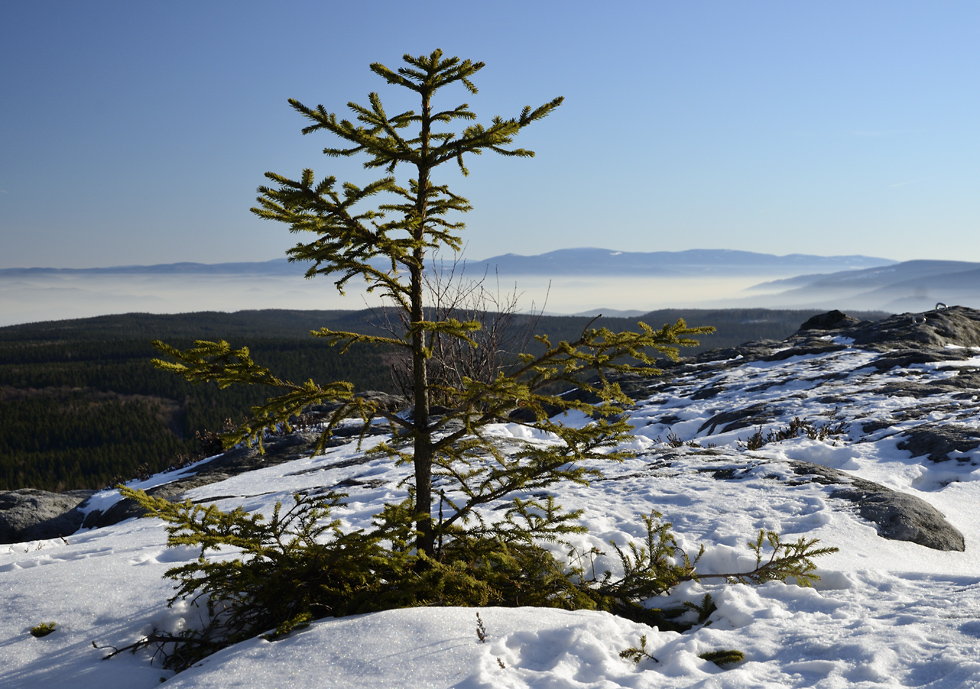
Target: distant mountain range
point(714, 262)
point(563, 262)
point(279, 266)
point(897, 288)
point(796, 281)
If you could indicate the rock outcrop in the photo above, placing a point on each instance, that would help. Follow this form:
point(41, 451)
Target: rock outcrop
point(911, 377)
point(33, 515)
point(897, 516)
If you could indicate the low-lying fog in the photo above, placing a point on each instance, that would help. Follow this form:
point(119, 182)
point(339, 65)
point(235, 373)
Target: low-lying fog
point(908, 287)
point(46, 297)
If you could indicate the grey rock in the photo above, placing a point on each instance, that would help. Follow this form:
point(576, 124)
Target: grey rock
point(32, 515)
point(897, 516)
point(957, 325)
point(753, 415)
point(729, 357)
point(937, 440)
point(820, 347)
point(832, 320)
point(905, 359)
point(384, 400)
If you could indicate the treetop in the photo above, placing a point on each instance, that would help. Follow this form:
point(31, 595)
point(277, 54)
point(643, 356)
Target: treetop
point(431, 72)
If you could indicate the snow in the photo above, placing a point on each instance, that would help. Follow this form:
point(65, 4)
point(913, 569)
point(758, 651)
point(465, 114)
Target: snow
point(884, 614)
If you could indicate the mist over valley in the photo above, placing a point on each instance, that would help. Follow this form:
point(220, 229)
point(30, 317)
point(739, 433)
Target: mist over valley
point(567, 281)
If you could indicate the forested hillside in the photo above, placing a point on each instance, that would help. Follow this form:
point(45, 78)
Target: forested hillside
point(81, 406)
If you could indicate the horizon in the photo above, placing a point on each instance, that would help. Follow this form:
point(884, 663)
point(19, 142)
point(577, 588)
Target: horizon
point(585, 282)
point(136, 135)
point(463, 259)
point(29, 295)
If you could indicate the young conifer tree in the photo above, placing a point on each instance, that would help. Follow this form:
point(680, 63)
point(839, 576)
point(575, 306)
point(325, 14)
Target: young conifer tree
point(386, 245)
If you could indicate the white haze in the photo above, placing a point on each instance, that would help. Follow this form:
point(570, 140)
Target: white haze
point(58, 296)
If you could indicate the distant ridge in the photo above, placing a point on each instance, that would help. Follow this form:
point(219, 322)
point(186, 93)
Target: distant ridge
point(279, 266)
point(581, 261)
point(717, 262)
point(908, 286)
point(585, 280)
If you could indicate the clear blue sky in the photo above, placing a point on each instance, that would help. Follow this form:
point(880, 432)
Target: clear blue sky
point(136, 132)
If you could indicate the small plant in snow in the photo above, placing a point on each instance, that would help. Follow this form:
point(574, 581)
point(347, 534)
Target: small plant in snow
point(797, 427)
point(720, 658)
point(637, 653)
point(43, 629)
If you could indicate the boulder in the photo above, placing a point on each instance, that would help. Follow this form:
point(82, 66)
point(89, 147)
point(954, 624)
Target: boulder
point(937, 441)
point(832, 320)
point(757, 414)
point(34, 515)
point(897, 516)
point(957, 325)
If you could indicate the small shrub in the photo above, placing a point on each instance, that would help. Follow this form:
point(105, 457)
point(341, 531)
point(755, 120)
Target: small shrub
point(787, 560)
point(720, 658)
point(703, 610)
point(656, 568)
point(43, 629)
point(637, 653)
point(797, 427)
point(725, 657)
point(299, 566)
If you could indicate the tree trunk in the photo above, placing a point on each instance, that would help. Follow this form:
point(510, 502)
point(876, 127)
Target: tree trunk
point(423, 439)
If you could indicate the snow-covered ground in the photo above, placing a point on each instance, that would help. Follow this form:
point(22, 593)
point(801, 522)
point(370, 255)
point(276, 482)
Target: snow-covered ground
point(885, 614)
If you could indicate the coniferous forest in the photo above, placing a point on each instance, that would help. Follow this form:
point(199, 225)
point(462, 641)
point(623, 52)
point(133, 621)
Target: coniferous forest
point(81, 405)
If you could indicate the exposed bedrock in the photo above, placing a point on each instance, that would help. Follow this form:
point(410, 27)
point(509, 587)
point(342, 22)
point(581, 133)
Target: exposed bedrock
point(897, 516)
point(34, 515)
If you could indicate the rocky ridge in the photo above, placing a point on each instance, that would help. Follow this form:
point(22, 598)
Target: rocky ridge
point(912, 380)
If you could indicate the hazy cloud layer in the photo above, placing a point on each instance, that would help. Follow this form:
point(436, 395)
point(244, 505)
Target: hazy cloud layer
point(908, 287)
point(63, 296)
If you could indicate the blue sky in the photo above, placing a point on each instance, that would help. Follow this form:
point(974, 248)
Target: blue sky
point(138, 132)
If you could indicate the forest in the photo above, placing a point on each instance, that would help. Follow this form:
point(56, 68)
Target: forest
point(82, 406)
